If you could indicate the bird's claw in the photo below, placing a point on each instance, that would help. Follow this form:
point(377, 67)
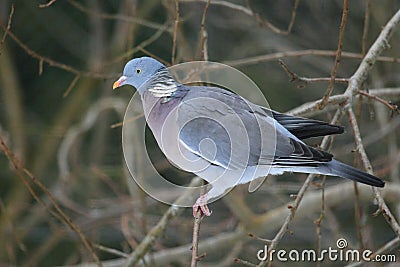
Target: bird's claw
point(201, 206)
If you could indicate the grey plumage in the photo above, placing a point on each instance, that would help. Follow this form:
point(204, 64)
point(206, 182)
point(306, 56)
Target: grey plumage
point(226, 139)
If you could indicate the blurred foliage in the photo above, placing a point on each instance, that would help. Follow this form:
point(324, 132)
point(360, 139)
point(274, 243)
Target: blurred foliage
point(97, 38)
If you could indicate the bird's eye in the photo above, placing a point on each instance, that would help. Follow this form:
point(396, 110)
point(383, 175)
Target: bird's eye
point(138, 71)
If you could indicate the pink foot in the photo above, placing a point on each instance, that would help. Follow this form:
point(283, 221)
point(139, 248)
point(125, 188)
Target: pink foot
point(201, 206)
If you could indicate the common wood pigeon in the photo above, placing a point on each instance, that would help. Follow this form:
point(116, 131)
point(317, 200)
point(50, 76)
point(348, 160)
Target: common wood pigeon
point(224, 138)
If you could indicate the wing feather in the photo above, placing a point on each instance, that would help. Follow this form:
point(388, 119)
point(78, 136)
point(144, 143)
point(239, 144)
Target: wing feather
point(244, 134)
point(304, 128)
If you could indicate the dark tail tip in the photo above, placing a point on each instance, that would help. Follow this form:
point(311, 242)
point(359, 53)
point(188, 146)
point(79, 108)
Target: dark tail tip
point(346, 171)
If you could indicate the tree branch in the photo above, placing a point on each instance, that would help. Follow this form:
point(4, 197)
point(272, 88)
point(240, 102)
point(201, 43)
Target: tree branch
point(7, 28)
point(391, 220)
point(380, 44)
point(301, 53)
point(268, 223)
point(311, 108)
point(159, 228)
point(329, 90)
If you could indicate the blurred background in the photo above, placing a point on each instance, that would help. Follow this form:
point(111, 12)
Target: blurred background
point(62, 121)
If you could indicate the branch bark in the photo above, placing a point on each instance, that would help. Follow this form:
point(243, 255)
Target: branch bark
point(268, 223)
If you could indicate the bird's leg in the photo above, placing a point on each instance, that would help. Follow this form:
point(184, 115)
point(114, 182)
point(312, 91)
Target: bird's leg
point(201, 206)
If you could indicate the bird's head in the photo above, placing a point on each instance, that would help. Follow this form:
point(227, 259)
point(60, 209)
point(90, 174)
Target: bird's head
point(138, 71)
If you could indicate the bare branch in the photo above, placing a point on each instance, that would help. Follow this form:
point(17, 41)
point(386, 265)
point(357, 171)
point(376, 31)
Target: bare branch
point(176, 24)
point(301, 53)
point(7, 28)
point(250, 12)
point(338, 55)
point(311, 108)
point(128, 19)
point(142, 45)
point(392, 106)
point(159, 228)
point(195, 239)
point(23, 173)
point(54, 63)
point(203, 33)
point(268, 222)
point(380, 44)
point(71, 85)
point(366, 26)
point(391, 220)
point(266, 23)
point(296, 78)
point(47, 4)
point(389, 246)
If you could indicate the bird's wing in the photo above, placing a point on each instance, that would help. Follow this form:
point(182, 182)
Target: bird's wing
point(219, 127)
point(304, 128)
point(299, 155)
point(237, 133)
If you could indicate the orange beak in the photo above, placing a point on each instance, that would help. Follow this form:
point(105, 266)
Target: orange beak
point(119, 82)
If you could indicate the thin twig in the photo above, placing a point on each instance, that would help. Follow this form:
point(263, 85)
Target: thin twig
point(71, 86)
point(174, 37)
point(111, 250)
point(196, 234)
point(338, 55)
point(203, 33)
point(391, 220)
point(311, 108)
point(172, 212)
point(301, 53)
point(244, 262)
point(266, 23)
point(8, 27)
point(60, 214)
point(147, 52)
point(296, 78)
point(293, 16)
point(54, 63)
point(47, 4)
point(11, 227)
point(357, 215)
point(268, 241)
point(380, 44)
point(392, 244)
point(250, 12)
point(141, 46)
point(366, 26)
point(321, 217)
point(40, 67)
point(122, 123)
point(229, 258)
point(152, 236)
point(75, 71)
point(268, 222)
point(224, 4)
point(129, 19)
point(393, 92)
point(195, 239)
point(392, 106)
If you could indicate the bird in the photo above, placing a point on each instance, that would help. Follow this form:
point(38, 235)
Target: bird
point(226, 139)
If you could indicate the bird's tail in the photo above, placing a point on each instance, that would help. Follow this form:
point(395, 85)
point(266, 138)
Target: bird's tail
point(338, 168)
